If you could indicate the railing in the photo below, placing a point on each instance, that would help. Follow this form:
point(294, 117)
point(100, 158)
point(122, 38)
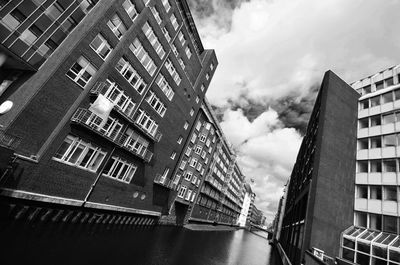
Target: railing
point(90, 120)
point(8, 140)
point(156, 136)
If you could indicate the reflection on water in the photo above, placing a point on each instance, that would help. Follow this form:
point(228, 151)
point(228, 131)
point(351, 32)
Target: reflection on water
point(46, 244)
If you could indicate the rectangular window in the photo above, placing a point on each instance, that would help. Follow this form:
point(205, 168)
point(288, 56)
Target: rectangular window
point(202, 138)
point(387, 97)
point(194, 137)
point(388, 118)
point(364, 104)
point(146, 122)
point(188, 175)
point(389, 165)
point(197, 99)
point(101, 46)
point(54, 11)
point(379, 85)
point(193, 162)
point(198, 149)
point(375, 120)
point(191, 112)
point(119, 169)
point(130, 74)
point(76, 152)
point(198, 167)
point(181, 38)
point(390, 193)
point(30, 35)
point(198, 125)
point(188, 151)
point(165, 87)
point(111, 128)
point(172, 71)
point(186, 125)
point(81, 72)
point(376, 166)
point(148, 31)
point(188, 52)
point(188, 195)
point(166, 34)
point(166, 5)
point(117, 26)
point(179, 140)
point(375, 101)
point(207, 76)
point(208, 142)
point(156, 14)
point(183, 164)
point(211, 67)
point(130, 9)
point(87, 5)
point(390, 224)
point(181, 63)
point(174, 21)
point(134, 142)
point(173, 154)
point(156, 103)
point(142, 55)
point(13, 19)
point(203, 154)
point(389, 140)
point(182, 191)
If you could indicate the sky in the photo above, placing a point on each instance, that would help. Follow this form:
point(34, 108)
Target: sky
point(272, 56)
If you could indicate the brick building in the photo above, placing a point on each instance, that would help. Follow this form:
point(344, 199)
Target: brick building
point(104, 96)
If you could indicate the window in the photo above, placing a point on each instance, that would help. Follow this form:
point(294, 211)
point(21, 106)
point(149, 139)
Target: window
point(390, 193)
point(208, 142)
point(197, 99)
point(156, 14)
point(76, 152)
point(194, 137)
point(117, 26)
point(144, 58)
point(361, 219)
point(390, 224)
point(181, 38)
point(172, 71)
point(119, 169)
point(362, 192)
point(363, 123)
point(188, 175)
point(181, 63)
point(198, 125)
point(389, 81)
point(193, 162)
point(375, 101)
point(146, 122)
point(166, 5)
point(387, 97)
point(389, 165)
point(388, 118)
point(165, 87)
point(148, 31)
point(191, 112)
point(363, 144)
point(54, 11)
point(188, 195)
point(397, 93)
point(179, 140)
point(111, 128)
point(188, 151)
point(379, 85)
point(202, 88)
point(375, 120)
point(186, 125)
point(375, 221)
point(364, 104)
point(198, 149)
point(376, 166)
point(205, 161)
point(81, 72)
point(207, 76)
point(166, 34)
point(101, 46)
point(30, 35)
point(389, 140)
point(130, 74)
point(202, 138)
point(182, 191)
point(173, 154)
point(198, 167)
point(13, 19)
point(134, 142)
point(174, 50)
point(156, 103)
point(130, 9)
point(87, 5)
point(212, 66)
point(188, 52)
point(183, 164)
point(174, 21)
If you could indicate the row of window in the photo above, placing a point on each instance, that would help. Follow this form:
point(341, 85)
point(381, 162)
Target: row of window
point(141, 54)
point(377, 120)
point(375, 192)
point(130, 74)
point(147, 122)
point(189, 176)
point(148, 31)
point(376, 166)
point(388, 140)
point(379, 222)
point(156, 103)
point(380, 99)
point(378, 85)
point(172, 71)
point(186, 193)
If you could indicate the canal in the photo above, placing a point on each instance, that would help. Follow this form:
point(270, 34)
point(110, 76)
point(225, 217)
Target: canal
point(161, 245)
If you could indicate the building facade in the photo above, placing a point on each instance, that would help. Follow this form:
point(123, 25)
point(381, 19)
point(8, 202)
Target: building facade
point(319, 195)
point(104, 96)
point(374, 238)
point(246, 205)
point(207, 179)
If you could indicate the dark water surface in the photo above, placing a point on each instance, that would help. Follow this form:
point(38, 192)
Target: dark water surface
point(50, 244)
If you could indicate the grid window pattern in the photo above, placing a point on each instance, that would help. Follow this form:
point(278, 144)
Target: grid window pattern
point(174, 21)
point(130, 74)
point(181, 38)
point(116, 95)
point(146, 122)
point(148, 31)
point(100, 45)
point(117, 26)
point(188, 52)
point(182, 191)
point(156, 103)
point(166, 5)
point(166, 34)
point(76, 152)
point(81, 72)
point(119, 169)
point(135, 142)
point(156, 14)
point(165, 87)
point(142, 55)
point(172, 71)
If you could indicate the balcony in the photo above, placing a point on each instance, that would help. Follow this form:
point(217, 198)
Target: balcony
point(155, 135)
point(162, 180)
point(91, 121)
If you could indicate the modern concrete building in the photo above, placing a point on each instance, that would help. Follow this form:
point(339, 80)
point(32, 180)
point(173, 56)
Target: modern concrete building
point(207, 179)
point(246, 205)
point(319, 201)
point(104, 95)
point(374, 238)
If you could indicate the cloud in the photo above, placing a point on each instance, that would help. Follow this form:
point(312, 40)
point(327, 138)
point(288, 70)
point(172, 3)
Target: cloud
point(272, 56)
point(266, 153)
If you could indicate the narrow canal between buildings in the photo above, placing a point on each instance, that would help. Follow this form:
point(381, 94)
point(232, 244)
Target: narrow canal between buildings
point(54, 244)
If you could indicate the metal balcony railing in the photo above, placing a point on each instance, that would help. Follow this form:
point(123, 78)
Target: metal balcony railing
point(8, 140)
point(156, 136)
point(91, 121)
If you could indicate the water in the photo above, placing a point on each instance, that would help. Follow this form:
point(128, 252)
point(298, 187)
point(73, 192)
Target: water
point(52, 244)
